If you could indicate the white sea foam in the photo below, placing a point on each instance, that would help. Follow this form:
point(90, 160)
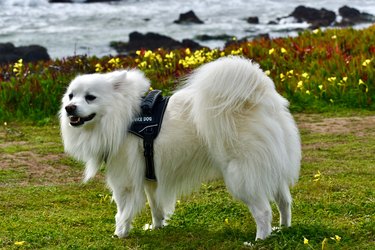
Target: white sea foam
point(68, 29)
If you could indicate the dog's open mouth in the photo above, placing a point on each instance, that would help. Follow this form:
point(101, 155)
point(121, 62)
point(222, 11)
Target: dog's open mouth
point(76, 121)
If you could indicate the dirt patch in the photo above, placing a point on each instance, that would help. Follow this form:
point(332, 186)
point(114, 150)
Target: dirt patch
point(35, 169)
point(359, 126)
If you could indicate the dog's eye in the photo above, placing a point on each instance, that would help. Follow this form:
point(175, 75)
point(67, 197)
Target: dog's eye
point(70, 96)
point(90, 98)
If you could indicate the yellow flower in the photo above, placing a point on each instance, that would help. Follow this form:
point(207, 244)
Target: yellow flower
point(226, 221)
point(345, 78)
point(320, 87)
point(267, 72)
point(98, 67)
point(317, 176)
point(271, 51)
point(305, 75)
point(282, 75)
point(187, 51)
point(333, 37)
point(331, 79)
point(283, 50)
point(305, 241)
point(300, 84)
point(366, 62)
point(316, 31)
point(308, 92)
point(19, 243)
point(337, 238)
point(17, 67)
point(138, 52)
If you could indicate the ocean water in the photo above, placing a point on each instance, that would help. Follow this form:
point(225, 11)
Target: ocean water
point(75, 29)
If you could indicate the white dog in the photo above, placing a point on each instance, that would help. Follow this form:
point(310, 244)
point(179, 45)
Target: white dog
point(227, 121)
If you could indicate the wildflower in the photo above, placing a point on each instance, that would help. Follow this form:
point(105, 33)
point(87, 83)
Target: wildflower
point(290, 73)
point(366, 62)
point(271, 51)
point(337, 238)
point(331, 79)
point(316, 31)
point(331, 100)
point(317, 176)
point(178, 202)
point(5, 124)
point(151, 89)
point(147, 227)
point(148, 53)
point(138, 52)
point(345, 78)
point(333, 37)
point(305, 241)
point(282, 76)
point(98, 67)
point(267, 72)
point(360, 82)
point(308, 92)
point(237, 52)
point(19, 243)
point(320, 86)
point(18, 67)
point(283, 50)
point(300, 85)
point(305, 75)
point(226, 221)
point(115, 62)
point(187, 51)
point(222, 53)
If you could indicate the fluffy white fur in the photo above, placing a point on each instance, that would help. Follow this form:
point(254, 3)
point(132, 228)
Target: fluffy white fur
point(227, 121)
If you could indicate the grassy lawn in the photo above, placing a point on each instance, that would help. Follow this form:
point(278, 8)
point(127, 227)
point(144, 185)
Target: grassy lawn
point(43, 204)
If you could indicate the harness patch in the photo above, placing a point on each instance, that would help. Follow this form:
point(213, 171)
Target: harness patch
point(147, 126)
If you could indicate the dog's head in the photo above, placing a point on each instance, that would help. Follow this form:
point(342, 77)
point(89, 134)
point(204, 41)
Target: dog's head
point(91, 97)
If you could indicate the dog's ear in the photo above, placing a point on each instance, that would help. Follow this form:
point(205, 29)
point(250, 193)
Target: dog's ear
point(117, 78)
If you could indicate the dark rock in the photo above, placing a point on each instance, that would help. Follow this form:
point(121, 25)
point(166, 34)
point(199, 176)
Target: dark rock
point(10, 54)
point(152, 41)
point(223, 37)
point(351, 16)
point(188, 18)
point(188, 43)
point(253, 20)
point(315, 17)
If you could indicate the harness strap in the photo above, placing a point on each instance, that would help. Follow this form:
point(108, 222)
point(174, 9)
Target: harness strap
point(147, 126)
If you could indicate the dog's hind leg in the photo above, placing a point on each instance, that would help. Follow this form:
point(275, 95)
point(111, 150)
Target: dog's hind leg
point(283, 201)
point(259, 206)
point(129, 202)
point(156, 210)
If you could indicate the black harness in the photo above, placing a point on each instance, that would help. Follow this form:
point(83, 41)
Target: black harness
point(147, 126)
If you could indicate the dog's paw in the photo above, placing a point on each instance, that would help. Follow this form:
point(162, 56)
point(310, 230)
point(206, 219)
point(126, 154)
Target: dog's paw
point(147, 227)
point(248, 244)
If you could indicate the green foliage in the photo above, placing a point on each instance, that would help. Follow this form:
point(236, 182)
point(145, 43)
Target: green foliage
point(314, 71)
point(43, 205)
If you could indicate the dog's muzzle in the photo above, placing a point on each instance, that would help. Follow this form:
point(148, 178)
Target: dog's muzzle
point(74, 119)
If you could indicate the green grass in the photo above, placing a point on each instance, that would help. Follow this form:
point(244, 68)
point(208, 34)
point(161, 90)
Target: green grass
point(43, 204)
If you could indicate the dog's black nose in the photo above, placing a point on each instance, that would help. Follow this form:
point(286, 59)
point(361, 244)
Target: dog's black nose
point(71, 109)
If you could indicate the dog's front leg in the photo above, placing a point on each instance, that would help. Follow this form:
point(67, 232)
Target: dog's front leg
point(129, 202)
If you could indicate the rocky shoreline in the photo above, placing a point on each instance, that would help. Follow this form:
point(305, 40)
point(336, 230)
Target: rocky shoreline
point(315, 18)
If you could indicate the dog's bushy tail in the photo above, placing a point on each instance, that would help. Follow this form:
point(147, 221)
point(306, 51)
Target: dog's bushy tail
point(220, 91)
